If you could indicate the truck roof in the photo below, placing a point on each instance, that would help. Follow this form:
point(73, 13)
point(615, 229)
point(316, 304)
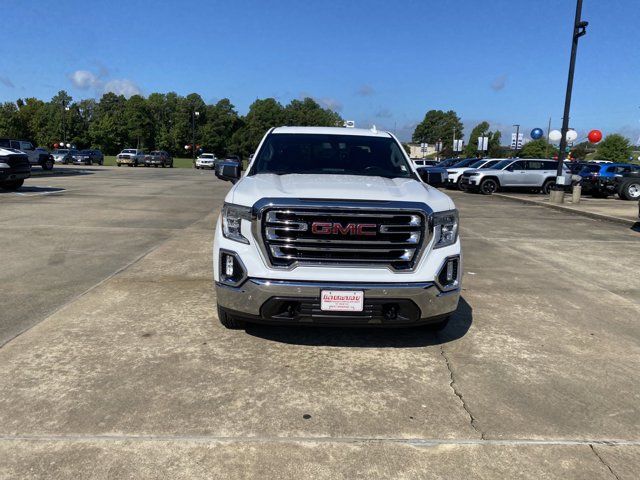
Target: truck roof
point(333, 131)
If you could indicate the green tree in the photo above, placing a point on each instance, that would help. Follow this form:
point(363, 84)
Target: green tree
point(614, 147)
point(535, 149)
point(438, 125)
point(308, 112)
point(495, 149)
point(263, 114)
point(221, 122)
point(580, 151)
point(108, 130)
point(471, 149)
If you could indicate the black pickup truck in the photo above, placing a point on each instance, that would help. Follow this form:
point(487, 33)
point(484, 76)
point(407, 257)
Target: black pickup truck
point(14, 168)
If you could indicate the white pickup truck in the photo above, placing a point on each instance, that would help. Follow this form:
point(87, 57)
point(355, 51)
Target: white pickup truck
point(333, 226)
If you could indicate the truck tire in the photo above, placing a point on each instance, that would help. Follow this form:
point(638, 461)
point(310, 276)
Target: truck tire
point(630, 190)
point(547, 186)
point(11, 185)
point(228, 321)
point(459, 185)
point(489, 186)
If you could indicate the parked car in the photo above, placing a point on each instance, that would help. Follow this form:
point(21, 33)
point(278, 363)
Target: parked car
point(206, 160)
point(447, 162)
point(423, 162)
point(435, 176)
point(331, 226)
point(130, 156)
point(88, 157)
point(598, 178)
point(36, 156)
point(64, 155)
point(14, 168)
point(158, 158)
point(532, 174)
point(457, 169)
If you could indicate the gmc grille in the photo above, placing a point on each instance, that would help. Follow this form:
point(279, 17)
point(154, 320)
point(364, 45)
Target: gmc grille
point(393, 238)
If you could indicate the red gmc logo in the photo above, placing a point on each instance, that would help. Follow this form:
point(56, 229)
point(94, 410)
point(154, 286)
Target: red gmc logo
point(329, 228)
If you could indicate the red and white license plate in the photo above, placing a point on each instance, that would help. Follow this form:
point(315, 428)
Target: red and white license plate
point(341, 300)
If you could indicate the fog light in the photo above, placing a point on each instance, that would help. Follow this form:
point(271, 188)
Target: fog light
point(448, 277)
point(232, 270)
point(229, 265)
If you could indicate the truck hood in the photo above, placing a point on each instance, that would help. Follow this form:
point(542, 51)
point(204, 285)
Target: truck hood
point(336, 187)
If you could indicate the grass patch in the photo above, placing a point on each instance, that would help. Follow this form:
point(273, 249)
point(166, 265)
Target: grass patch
point(110, 160)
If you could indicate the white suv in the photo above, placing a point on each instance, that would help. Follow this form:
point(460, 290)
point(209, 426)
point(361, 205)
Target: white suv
point(206, 160)
point(454, 173)
point(333, 226)
point(533, 174)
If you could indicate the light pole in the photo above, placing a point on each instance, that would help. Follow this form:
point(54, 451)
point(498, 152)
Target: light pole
point(515, 145)
point(65, 109)
point(579, 29)
point(193, 135)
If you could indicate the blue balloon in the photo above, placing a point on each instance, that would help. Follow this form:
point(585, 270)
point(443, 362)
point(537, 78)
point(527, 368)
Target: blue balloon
point(536, 133)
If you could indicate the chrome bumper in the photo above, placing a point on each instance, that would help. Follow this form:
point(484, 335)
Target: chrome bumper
point(249, 298)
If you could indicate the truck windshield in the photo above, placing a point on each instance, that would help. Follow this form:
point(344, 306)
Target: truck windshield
point(283, 154)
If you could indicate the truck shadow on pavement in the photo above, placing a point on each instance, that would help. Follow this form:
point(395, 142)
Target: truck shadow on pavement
point(409, 337)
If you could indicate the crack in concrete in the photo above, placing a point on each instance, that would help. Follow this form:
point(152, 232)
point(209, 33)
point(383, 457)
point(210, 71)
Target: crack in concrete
point(416, 442)
point(603, 462)
point(452, 384)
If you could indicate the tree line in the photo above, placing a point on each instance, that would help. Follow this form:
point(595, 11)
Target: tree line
point(439, 125)
point(161, 121)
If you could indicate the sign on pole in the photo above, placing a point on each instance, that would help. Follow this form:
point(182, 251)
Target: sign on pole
point(520, 141)
point(483, 143)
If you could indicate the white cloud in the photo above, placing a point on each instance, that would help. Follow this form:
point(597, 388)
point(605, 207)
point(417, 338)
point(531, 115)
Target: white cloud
point(365, 90)
point(384, 113)
point(122, 87)
point(499, 83)
point(84, 79)
point(330, 103)
point(6, 81)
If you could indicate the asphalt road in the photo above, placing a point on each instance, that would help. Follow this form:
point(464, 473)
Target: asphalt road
point(536, 377)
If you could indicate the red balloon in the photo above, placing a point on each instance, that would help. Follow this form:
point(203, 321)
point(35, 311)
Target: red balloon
point(55, 145)
point(594, 136)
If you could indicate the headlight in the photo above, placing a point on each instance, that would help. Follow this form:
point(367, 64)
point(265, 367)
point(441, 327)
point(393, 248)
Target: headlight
point(4, 165)
point(232, 216)
point(445, 228)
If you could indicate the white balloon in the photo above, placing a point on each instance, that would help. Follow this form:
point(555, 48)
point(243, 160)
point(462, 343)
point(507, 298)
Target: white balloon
point(555, 135)
point(572, 135)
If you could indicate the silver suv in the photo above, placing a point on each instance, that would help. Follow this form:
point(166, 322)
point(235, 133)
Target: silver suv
point(537, 174)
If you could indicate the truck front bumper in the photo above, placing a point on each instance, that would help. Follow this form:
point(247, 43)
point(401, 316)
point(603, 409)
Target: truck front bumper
point(298, 302)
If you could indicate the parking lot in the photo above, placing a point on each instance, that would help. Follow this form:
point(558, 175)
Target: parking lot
point(113, 361)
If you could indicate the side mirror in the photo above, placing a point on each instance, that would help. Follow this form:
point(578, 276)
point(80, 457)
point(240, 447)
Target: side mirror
point(229, 171)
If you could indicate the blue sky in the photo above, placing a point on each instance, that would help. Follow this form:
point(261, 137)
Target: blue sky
point(377, 62)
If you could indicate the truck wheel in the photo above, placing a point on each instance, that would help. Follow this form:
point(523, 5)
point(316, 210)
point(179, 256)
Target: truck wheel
point(630, 190)
point(47, 164)
point(547, 186)
point(488, 186)
point(460, 185)
point(11, 185)
point(228, 321)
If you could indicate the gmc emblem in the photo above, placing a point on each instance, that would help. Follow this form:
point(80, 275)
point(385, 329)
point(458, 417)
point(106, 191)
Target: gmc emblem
point(329, 228)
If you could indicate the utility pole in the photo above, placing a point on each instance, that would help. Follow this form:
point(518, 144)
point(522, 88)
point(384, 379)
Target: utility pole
point(515, 146)
point(546, 150)
point(193, 135)
point(579, 29)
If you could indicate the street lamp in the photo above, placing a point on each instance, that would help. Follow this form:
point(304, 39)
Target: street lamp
point(193, 135)
point(65, 109)
point(579, 29)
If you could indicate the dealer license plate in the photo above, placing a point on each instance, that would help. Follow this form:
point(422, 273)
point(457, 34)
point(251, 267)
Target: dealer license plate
point(341, 300)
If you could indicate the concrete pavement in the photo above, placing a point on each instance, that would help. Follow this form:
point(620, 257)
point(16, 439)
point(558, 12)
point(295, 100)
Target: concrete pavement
point(536, 377)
